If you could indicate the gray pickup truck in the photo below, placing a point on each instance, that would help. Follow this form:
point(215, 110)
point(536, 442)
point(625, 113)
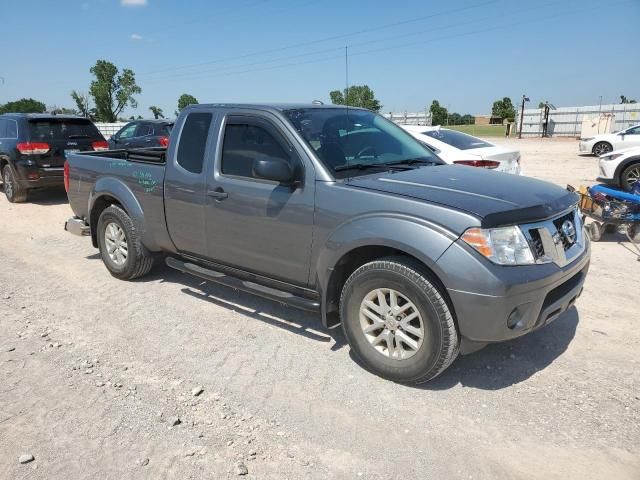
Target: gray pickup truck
point(338, 210)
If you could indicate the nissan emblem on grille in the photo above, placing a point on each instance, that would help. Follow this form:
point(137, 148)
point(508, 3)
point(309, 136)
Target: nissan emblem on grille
point(569, 231)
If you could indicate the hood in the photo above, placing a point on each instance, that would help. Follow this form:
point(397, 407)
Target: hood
point(623, 151)
point(496, 198)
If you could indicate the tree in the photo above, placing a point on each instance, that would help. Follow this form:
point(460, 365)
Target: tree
point(468, 119)
point(455, 119)
point(157, 112)
point(83, 104)
point(624, 99)
point(438, 113)
point(62, 110)
point(541, 105)
point(504, 109)
point(356, 96)
point(112, 91)
point(185, 100)
point(24, 105)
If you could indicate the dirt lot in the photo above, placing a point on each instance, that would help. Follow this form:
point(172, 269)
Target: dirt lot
point(94, 372)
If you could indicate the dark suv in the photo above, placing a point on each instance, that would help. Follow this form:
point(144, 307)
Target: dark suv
point(33, 148)
point(142, 133)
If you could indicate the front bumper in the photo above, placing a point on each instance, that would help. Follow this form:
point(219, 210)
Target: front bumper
point(585, 147)
point(495, 303)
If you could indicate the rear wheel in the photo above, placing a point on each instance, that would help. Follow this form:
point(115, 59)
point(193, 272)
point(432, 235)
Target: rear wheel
point(629, 176)
point(601, 148)
point(397, 321)
point(14, 192)
point(120, 247)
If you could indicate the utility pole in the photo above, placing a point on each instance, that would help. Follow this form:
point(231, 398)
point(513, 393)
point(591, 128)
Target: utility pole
point(524, 99)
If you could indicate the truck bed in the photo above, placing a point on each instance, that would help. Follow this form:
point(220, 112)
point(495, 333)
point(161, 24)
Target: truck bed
point(137, 175)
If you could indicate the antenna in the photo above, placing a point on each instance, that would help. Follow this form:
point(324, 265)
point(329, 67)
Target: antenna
point(346, 75)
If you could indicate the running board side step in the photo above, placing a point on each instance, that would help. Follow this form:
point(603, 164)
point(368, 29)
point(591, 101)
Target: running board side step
point(244, 285)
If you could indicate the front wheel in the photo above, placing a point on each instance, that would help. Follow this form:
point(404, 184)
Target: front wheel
point(629, 176)
point(601, 148)
point(120, 246)
point(397, 321)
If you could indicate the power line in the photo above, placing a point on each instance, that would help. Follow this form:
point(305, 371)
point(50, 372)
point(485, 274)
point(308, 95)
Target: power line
point(404, 45)
point(325, 39)
point(197, 74)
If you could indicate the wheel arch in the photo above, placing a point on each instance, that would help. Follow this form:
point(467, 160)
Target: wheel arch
point(622, 166)
point(339, 260)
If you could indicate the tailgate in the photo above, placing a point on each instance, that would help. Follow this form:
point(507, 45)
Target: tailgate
point(64, 136)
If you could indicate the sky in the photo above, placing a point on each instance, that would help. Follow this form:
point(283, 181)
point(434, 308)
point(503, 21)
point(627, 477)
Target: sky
point(464, 53)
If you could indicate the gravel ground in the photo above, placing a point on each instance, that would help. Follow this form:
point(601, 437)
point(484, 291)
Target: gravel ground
point(98, 376)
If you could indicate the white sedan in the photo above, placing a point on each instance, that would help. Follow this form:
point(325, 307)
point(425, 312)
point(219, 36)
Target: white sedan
point(462, 149)
point(620, 168)
point(608, 142)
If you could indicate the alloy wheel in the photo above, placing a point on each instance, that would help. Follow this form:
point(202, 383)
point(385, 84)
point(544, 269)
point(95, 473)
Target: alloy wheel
point(391, 323)
point(116, 242)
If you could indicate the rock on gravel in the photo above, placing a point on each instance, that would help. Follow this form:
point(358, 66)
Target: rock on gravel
point(197, 391)
point(173, 421)
point(26, 458)
point(241, 469)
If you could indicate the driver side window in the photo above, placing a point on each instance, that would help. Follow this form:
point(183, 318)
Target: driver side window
point(633, 131)
point(127, 132)
point(243, 143)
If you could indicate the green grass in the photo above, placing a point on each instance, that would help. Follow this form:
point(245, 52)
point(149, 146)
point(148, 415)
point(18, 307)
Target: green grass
point(481, 130)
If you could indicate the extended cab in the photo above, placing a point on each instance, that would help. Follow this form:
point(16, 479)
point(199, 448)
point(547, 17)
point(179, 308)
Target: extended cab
point(338, 210)
point(33, 148)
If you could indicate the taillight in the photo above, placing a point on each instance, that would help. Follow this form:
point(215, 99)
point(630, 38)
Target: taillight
point(100, 145)
point(164, 141)
point(66, 176)
point(33, 148)
point(478, 163)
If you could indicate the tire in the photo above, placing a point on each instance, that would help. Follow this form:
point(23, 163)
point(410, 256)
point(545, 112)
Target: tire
point(594, 230)
point(629, 176)
point(120, 247)
point(601, 148)
point(634, 232)
point(429, 356)
point(14, 192)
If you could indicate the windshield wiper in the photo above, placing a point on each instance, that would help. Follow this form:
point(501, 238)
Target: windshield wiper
point(413, 161)
point(359, 166)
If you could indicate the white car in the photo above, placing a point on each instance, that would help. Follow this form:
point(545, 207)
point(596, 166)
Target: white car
point(620, 167)
point(608, 142)
point(459, 148)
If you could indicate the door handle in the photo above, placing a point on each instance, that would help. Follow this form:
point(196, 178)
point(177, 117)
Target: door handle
point(218, 194)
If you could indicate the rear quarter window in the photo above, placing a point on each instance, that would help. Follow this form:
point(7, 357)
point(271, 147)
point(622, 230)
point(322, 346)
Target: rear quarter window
point(193, 141)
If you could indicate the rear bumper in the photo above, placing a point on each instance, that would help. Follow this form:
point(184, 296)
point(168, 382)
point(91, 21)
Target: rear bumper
point(36, 177)
point(585, 147)
point(511, 301)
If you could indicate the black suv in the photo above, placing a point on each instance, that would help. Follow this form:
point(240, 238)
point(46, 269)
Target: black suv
point(142, 133)
point(33, 148)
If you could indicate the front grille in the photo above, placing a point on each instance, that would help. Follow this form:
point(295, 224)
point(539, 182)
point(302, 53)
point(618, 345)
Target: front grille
point(536, 243)
point(566, 242)
point(549, 243)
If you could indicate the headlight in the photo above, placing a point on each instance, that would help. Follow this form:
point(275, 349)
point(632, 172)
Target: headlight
point(611, 157)
point(504, 246)
point(588, 139)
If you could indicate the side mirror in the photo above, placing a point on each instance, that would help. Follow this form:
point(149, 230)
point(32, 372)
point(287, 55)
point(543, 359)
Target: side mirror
point(273, 169)
point(113, 139)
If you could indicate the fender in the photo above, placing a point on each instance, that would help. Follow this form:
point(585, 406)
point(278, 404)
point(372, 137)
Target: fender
point(424, 240)
point(624, 164)
point(118, 190)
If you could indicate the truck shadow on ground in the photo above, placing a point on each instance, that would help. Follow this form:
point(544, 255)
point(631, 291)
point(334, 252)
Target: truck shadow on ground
point(502, 365)
point(495, 367)
point(49, 196)
point(296, 321)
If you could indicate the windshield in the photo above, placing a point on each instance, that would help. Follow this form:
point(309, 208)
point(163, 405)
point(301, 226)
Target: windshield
point(62, 129)
point(459, 140)
point(342, 137)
